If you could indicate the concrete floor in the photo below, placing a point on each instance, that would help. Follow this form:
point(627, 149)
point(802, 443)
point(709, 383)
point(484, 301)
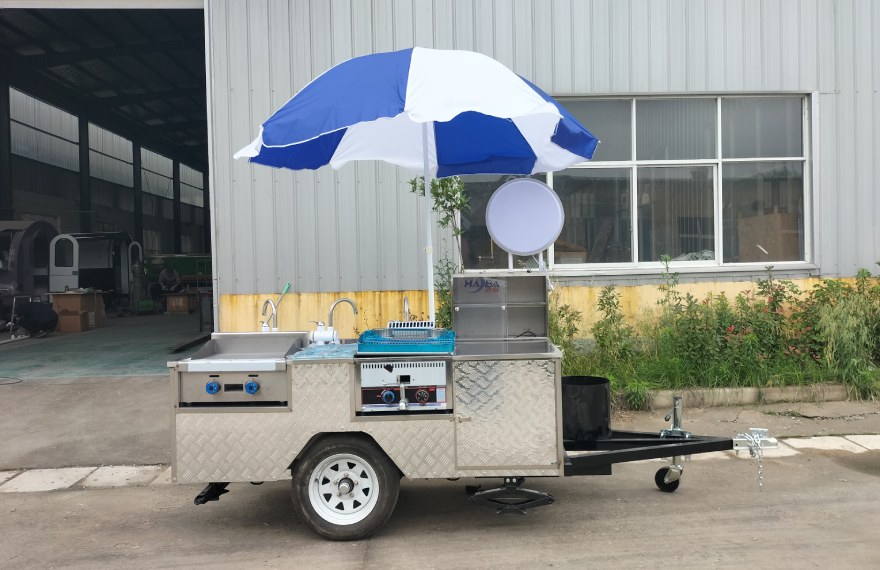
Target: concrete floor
point(93, 398)
point(126, 346)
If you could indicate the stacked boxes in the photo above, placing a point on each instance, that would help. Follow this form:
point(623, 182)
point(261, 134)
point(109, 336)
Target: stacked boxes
point(78, 312)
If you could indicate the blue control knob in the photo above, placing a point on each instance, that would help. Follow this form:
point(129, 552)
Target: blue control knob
point(212, 387)
point(252, 387)
point(388, 397)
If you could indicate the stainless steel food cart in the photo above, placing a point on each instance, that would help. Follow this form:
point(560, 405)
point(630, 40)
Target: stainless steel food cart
point(346, 421)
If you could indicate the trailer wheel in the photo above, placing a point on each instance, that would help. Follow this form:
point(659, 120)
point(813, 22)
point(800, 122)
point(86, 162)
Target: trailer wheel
point(660, 480)
point(345, 488)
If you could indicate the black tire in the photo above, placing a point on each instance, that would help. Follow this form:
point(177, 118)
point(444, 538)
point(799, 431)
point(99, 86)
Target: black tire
point(660, 480)
point(332, 466)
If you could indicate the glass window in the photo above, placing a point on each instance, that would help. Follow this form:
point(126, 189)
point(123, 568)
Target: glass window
point(676, 213)
point(598, 219)
point(680, 193)
point(191, 195)
point(763, 211)
point(675, 129)
point(64, 253)
point(610, 121)
point(753, 127)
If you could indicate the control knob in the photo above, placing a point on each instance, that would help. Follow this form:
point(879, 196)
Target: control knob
point(388, 396)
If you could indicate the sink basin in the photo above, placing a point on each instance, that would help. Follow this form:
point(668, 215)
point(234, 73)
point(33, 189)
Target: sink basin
point(504, 346)
point(245, 352)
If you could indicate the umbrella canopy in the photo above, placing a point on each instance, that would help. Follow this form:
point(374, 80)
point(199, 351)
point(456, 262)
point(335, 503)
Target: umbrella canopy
point(442, 112)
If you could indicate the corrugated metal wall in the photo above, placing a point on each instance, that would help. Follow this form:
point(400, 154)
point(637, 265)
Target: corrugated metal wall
point(357, 229)
point(43, 132)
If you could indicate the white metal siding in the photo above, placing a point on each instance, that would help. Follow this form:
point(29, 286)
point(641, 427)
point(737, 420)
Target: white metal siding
point(357, 229)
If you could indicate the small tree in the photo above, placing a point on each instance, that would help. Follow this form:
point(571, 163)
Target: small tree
point(449, 199)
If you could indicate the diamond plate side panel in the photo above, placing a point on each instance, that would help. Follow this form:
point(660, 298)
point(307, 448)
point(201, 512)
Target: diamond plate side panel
point(235, 446)
point(422, 449)
point(322, 392)
point(507, 412)
point(259, 446)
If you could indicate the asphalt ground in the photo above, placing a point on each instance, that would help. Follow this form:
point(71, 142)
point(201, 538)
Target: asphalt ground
point(85, 483)
point(817, 510)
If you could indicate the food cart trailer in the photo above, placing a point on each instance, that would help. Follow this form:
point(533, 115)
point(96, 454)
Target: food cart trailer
point(345, 420)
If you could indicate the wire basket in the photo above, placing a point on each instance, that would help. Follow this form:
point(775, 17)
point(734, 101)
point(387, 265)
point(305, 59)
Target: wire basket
point(410, 324)
point(407, 340)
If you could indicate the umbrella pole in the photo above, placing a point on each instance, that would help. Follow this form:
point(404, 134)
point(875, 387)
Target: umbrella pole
point(429, 249)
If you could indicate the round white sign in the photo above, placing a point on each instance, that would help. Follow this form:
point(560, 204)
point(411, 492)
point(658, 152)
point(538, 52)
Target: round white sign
point(524, 216)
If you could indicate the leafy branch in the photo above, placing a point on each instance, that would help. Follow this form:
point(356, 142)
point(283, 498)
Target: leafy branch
point(449, 199)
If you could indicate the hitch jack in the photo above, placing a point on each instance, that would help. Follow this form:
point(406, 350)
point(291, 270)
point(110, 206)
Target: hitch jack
point(211, 493)
point(510, 497)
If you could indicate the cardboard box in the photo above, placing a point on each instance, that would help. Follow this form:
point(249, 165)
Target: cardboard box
point(71, 302)
point(74, 304)
point(98, 311)
point(769, 237)
point(180, 303)
point(75, 322)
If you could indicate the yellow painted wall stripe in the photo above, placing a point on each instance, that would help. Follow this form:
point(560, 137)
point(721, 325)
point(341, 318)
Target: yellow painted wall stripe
point(241, 313)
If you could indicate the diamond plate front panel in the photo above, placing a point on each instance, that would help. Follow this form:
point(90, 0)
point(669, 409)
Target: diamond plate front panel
point(260, 446)
point(506, 414)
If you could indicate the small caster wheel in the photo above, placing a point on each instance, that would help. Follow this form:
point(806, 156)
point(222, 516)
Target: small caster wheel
point(660, 480)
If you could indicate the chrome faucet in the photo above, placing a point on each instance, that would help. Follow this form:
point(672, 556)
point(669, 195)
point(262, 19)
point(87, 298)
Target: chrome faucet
point(333, 306)
point(273, 317)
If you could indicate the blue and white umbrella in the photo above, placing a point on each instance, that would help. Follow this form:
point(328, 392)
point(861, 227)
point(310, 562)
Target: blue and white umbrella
point(441, 112)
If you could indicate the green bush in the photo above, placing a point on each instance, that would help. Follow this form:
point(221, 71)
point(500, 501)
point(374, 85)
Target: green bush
point(614, 338)
point(774, 335)
point(713, 342)
point(443, 273)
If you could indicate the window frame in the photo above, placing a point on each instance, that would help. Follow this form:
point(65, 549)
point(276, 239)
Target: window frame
point(808, 114)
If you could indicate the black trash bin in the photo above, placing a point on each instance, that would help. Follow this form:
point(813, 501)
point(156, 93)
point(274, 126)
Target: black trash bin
point(586, 408)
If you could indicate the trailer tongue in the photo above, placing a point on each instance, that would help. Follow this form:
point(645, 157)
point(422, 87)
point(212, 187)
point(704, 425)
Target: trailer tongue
point(345, 421)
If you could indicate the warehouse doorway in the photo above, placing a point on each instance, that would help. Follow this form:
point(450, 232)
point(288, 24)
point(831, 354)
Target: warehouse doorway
point(106, 124)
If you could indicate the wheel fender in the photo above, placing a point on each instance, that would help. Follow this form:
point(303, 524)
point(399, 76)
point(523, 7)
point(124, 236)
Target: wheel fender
point(354, 434)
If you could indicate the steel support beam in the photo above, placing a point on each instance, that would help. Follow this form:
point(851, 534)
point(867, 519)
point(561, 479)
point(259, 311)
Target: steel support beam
point(136, 99)
point(83, 55)
point(176, 206)
point(206, 215)
point(6, 212)
point(85, 189)
point(138, 197)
